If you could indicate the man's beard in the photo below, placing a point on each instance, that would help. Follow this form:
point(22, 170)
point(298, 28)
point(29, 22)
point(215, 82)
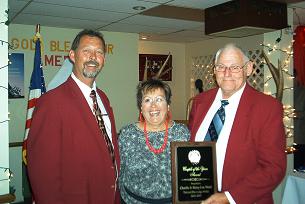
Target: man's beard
point(91, 74)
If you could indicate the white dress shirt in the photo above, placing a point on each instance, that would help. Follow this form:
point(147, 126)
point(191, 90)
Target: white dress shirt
point(86, 90)
point(221, 144)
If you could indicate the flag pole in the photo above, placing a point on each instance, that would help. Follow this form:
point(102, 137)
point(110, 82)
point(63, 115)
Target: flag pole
point(38, 28)
point(36, 89)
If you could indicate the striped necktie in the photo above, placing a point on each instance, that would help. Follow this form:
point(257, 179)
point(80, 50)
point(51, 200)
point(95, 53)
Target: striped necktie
point(100, 121)
point(217, 123)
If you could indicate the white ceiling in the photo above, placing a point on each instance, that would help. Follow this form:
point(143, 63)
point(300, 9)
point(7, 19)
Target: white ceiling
point(119, 15)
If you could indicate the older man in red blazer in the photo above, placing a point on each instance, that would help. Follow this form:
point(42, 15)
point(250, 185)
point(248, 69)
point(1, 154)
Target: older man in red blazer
point(68, 157)
point(250, 148)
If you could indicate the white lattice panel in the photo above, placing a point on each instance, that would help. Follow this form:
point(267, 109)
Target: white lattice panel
point(256, 79)
point(203, 69)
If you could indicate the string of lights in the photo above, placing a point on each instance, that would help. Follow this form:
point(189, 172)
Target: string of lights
point(270, 49)
point(4, 121)
point(288, 88)
point(4, 66)
point(7, 172)
point(3, 87)
point(283, 66)
point(289, 54)
point(273, 94)
point(5, 45)
point(11, 47)
point(7, 21)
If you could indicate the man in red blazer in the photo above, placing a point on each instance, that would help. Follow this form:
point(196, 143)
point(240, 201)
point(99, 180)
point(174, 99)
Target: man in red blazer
point(250, 149)
point(68, 158)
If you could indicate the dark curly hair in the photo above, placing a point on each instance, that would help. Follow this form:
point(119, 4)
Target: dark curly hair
point(151, 85)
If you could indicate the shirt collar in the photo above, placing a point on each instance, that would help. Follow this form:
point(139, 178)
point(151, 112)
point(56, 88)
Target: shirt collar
point(235, 97)
point(86, 90)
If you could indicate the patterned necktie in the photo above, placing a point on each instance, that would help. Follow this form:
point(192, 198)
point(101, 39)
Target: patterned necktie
point(100, 121)
point(217, 123)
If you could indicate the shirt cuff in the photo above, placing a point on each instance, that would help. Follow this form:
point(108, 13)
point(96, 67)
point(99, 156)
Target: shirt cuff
point(229, 197)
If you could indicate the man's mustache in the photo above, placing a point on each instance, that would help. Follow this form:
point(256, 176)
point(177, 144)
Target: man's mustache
point(91, 62)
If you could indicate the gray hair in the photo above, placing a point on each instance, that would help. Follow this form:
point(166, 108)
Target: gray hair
point(231, 46)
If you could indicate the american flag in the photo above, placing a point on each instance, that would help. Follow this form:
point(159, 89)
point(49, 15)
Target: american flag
point(37, 88)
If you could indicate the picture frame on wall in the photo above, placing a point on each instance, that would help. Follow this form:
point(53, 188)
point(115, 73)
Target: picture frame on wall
point(16, 76)
point(153, 63)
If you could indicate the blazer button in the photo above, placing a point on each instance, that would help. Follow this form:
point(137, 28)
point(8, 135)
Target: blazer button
point(112, 186)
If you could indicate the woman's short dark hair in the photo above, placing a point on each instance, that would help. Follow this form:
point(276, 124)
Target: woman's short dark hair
point(152, 85)
point(88, 32)
point(199, 85)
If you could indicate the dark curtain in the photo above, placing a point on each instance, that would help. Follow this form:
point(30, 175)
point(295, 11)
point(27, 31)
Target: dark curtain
point(299, 54)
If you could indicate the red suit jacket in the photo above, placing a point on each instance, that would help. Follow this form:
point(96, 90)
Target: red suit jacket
point(68, 160)
point(255, 161)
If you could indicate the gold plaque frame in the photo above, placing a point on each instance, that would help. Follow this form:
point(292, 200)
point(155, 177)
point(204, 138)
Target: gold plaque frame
point(194, 175)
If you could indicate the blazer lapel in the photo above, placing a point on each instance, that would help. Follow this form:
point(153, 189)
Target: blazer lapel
point(239, 129)
point(85, 111)
point(204, 103)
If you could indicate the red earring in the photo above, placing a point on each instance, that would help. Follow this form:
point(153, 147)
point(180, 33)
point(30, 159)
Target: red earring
point(169, 115)
point(141, 119)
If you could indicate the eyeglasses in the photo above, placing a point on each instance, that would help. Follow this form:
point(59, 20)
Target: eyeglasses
point(149, 101)
point(232, 68)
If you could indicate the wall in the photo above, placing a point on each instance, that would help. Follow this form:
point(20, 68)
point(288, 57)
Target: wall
point(118, 78)
point(177, 50)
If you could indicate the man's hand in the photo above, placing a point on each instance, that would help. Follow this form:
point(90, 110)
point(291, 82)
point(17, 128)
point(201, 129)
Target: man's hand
point(217, 198)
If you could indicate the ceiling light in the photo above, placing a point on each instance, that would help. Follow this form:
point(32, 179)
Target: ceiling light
point(144, 37)
point(138, 8)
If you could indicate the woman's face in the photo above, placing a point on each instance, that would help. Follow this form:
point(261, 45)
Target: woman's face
point(154, 109)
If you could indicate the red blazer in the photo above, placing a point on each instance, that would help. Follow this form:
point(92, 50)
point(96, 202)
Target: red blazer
point(255, 160)
point(68, 160)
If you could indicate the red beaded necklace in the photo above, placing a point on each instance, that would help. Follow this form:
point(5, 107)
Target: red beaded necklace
point(150, 147)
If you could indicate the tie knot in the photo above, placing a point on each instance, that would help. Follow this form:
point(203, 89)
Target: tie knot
point(224, 103)
point(93, 94)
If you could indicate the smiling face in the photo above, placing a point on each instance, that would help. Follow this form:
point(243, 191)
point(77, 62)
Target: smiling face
point(154, 109)
point(88, 59)
point(231, 82)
